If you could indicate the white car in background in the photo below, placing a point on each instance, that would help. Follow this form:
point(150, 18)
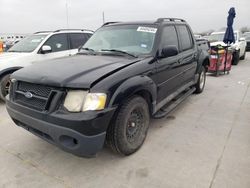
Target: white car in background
point(247, 37)
point(39, 47)
point(239, 47)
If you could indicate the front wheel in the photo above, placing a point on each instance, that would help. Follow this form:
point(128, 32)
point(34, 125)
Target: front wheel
point(4, 86)
point(200, 85)
point(127, 132)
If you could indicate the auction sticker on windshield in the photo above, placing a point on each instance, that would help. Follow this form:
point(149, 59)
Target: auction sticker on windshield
point(147, 29)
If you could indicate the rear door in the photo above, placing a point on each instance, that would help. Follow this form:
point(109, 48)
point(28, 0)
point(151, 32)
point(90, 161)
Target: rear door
point(168, 69)
point(188, 54)
point(77, 40)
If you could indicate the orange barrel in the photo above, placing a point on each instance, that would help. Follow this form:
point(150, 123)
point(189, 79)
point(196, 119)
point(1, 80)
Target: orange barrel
point(1, 46)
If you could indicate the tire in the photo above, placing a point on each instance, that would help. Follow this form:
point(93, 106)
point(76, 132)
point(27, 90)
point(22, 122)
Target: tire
point(4, 86)
point(236, 58)
point(200, 85)
point(128, 130)
point(244, 56)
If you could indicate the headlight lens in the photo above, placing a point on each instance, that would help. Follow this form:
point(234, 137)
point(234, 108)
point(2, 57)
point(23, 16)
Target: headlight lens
point(94, 101)
point(74, 100)
point(77, 101)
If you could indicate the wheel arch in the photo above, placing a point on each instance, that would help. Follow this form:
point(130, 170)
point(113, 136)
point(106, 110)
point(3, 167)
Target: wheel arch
point(203, 62)
point(138, 85)
point(8, 71)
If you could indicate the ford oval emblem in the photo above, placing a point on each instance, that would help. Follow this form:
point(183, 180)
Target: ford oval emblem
point(28, 95)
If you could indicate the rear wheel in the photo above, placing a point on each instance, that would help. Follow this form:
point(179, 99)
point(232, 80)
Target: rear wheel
point(4, 86)
point(127, 132)
point(200, 85)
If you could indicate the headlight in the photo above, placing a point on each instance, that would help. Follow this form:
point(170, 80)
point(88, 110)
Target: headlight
point(74, 100)
point(77, 101)
point(94, 101)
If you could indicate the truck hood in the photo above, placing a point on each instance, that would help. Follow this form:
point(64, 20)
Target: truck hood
point(79, 71)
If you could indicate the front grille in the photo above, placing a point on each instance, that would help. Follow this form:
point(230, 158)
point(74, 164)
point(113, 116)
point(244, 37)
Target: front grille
point(39, 90)
point(33, 95)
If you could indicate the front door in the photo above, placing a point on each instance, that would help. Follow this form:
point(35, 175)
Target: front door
point(168, 69)
point(59, 45)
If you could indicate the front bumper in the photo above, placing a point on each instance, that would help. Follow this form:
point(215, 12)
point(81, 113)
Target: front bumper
point(82, 134)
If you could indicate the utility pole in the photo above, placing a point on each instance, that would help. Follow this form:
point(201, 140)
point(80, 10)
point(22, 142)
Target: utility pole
point(103, 17)
point(67, 14)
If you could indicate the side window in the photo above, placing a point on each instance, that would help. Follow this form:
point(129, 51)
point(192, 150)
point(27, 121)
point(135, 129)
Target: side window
point(185, 38)
point(58, 42)
point(77, 40)
point(169, 37)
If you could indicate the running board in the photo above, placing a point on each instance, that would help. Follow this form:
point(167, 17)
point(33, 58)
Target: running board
point(173, 104)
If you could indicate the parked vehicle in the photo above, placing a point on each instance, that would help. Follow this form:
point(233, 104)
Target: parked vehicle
point(239, 47)
point(125, 74)
point(247, 37)
point(37, 47)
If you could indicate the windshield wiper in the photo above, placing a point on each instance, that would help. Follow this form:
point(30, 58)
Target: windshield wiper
point(118, 51)
point(13, 51)
point(89, 50)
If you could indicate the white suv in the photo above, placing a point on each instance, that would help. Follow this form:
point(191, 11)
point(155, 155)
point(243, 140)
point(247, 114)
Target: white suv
point(39, 47)
point(239, 46)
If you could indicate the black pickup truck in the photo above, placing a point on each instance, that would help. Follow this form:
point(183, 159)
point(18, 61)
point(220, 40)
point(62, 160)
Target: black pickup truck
point(124, 75)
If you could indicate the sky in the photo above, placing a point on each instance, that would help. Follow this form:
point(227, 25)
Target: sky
point(28, 16)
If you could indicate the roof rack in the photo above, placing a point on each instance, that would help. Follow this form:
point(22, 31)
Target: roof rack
point(108, 23)
point(170, 20)
point(73, 30)
point(43, 32)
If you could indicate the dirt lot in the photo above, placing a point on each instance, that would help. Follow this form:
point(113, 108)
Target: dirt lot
point(204, 143)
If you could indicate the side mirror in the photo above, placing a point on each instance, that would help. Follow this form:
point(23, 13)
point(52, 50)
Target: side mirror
point(46, 49)
point(242, 39)
point(169, 51)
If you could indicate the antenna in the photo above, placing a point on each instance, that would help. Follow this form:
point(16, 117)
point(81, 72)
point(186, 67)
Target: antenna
point(67, 14)
point(103, 17)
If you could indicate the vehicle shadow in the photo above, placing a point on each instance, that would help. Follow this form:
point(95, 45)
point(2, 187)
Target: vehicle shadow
point(220, 74)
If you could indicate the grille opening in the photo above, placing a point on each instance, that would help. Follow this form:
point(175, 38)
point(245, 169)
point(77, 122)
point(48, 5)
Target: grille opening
point(36, 103)
point(42, 97)
point(68, 141)
point(36, 89)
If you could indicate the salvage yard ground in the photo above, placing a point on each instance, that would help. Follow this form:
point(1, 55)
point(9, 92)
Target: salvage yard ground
point(204, 143)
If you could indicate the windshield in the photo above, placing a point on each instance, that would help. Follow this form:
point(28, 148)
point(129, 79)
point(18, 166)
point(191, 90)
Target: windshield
point(133, 39)
point(219, 37)
point(28, 44)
